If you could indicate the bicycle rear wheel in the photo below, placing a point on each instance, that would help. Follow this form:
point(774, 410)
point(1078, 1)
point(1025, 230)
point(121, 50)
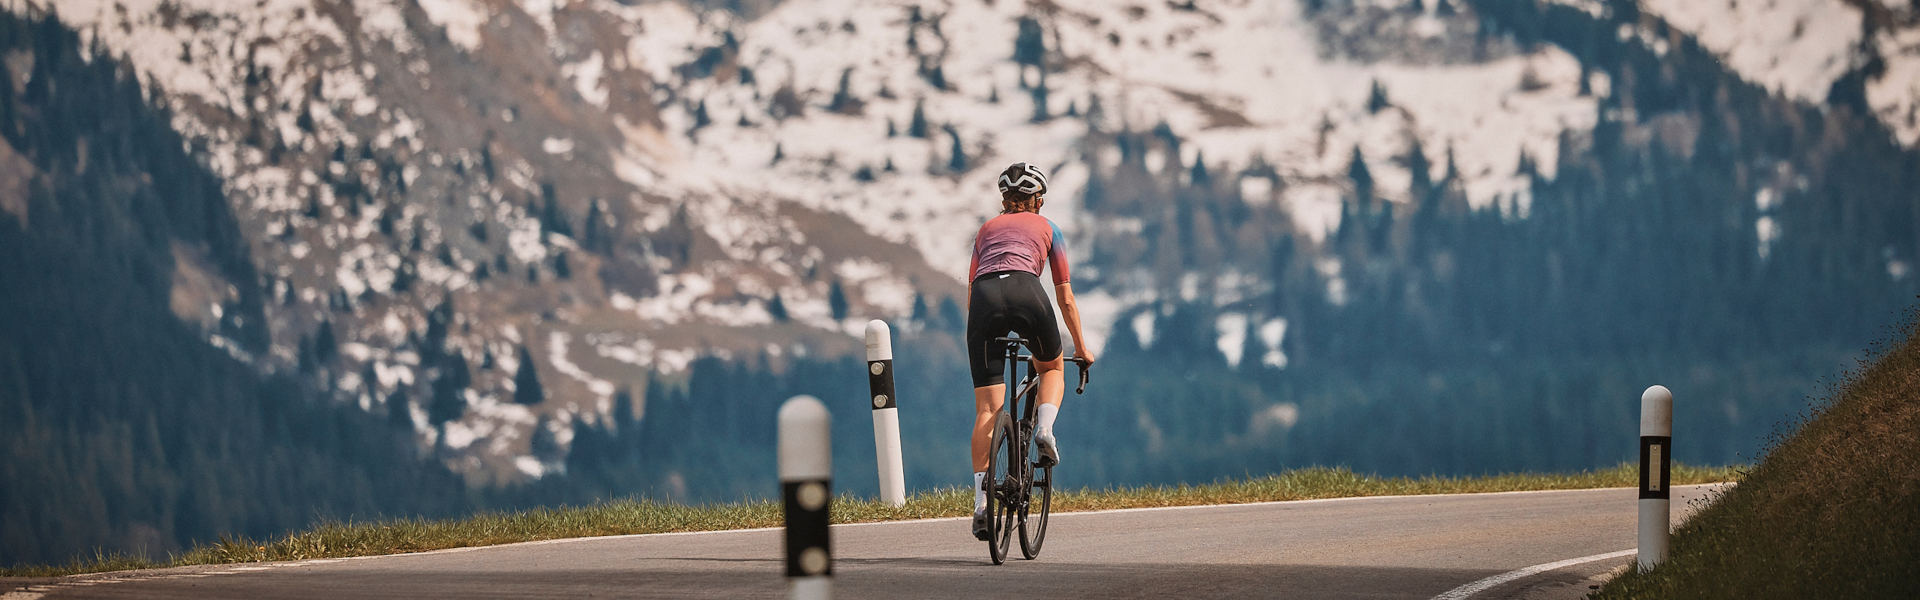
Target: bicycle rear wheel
point(1033, 529)
point(1003, 488)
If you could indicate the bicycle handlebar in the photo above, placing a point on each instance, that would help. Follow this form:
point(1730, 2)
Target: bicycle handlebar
point(1084, 367)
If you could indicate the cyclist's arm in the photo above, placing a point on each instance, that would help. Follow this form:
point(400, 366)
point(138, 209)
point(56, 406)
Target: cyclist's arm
point(972, 265)
point(1063, 291)
point(1069, 310)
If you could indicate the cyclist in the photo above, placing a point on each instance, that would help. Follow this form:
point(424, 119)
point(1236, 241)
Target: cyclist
point(1005, 294)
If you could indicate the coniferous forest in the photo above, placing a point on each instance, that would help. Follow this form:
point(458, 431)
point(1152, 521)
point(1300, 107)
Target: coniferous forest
point(121, 427)
point(1424, 335)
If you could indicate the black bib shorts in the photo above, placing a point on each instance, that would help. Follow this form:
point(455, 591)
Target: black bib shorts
point(1006, 301)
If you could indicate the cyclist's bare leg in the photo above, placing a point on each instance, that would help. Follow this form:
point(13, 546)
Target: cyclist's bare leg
point(1053, 380)
point(986, 404)
point(1053, 387)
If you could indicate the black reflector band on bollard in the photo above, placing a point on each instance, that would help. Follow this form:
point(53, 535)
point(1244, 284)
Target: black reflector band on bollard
point(1656, 467)
point(808, 551)
point(880, 380)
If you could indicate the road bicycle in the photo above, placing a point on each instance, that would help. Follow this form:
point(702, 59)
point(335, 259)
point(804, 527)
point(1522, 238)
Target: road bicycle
point(1019, 487)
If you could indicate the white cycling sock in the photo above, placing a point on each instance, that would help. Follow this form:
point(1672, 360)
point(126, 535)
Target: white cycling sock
point(1046, 413)
point(979, 491)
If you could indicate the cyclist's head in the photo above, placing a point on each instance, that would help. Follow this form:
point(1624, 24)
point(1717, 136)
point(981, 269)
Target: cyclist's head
point(1022, 187)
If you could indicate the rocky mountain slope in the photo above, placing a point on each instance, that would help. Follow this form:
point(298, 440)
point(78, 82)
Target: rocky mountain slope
point(438, 191)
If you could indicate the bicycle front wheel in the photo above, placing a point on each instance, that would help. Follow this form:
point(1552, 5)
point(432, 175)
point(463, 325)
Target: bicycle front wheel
point(1003, 488)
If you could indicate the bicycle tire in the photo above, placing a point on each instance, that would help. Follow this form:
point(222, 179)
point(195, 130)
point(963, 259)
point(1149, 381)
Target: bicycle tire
point(1033, 528)
point(1004, 485)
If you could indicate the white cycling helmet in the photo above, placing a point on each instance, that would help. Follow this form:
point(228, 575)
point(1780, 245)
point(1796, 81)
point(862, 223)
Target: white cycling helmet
point(1024, 178)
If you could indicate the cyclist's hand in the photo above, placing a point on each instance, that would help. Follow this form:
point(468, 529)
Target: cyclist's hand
point(1086, 357)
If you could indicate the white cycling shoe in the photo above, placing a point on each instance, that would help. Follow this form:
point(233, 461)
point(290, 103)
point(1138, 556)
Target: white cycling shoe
point(1049, 448)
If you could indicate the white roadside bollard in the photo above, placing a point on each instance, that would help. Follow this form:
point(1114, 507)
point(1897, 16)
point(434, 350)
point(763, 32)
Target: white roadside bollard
point(886, 414)
point(1656, 474)
point(806, 491)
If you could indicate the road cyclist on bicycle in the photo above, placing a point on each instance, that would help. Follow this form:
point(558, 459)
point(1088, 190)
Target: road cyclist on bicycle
point(1004, 294)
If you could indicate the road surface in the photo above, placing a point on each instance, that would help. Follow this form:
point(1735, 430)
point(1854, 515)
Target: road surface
point(1383, 547)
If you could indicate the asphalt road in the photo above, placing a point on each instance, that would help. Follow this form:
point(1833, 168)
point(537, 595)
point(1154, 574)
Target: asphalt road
point(1388, 547)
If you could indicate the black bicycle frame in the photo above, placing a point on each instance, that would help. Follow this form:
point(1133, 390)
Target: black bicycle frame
point(1011, 354)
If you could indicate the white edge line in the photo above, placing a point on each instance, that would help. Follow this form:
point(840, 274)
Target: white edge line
point(939, 519)
point(1468, 590)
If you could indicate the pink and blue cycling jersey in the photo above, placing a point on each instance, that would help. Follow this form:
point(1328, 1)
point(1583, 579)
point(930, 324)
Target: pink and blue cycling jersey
point(1019, 242)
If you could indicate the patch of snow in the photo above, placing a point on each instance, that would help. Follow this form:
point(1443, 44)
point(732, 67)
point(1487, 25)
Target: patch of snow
point(557, 343)
point(1143, 328)
point(1895, 95)
point(1797, 47)
point(1279, 416)
point(587, 79)
point(460, 18)
point(1271, 334)
point(385, 21)
point(459, 434)
point(1232, 330)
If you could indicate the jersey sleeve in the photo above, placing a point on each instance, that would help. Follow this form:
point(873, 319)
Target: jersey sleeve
point(1057, 255)
point(973, 264)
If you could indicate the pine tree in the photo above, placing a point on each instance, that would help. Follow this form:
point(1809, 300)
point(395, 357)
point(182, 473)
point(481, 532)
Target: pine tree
point(700, 117)
point(1421, 171)
point(526, 381)
point(7, 110)
point(1040, 112)
point(1029, 44)
point(1362, 179)
point(623, 410)
point(432, 347)
point(920, 310)
point(544, 445)
point(777, 308)
point(1377, 98)
point(917, 126)
point(399, 414)
point(936, 76)
point(552, 219)
point(950, 314)
point(449, 401)
point(325, 347)
point(958, 162)
point(1093, 195)
point(837, 301)
point(596, 237)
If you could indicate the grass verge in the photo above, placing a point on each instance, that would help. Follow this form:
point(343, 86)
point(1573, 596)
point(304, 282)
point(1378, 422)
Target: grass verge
point(1831, 512)
point(332, 540)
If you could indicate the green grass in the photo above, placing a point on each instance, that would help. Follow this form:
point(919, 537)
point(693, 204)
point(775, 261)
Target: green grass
point(1831, 512)
point(332, 540)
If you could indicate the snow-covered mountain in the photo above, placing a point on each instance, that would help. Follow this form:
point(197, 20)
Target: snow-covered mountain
point(618, 187)
point(1813, 51)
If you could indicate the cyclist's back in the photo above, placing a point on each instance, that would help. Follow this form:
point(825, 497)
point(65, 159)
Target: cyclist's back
point(1008, 254)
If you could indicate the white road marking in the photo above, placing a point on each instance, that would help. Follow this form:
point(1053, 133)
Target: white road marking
point(21, 595)
point(1468, 590)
